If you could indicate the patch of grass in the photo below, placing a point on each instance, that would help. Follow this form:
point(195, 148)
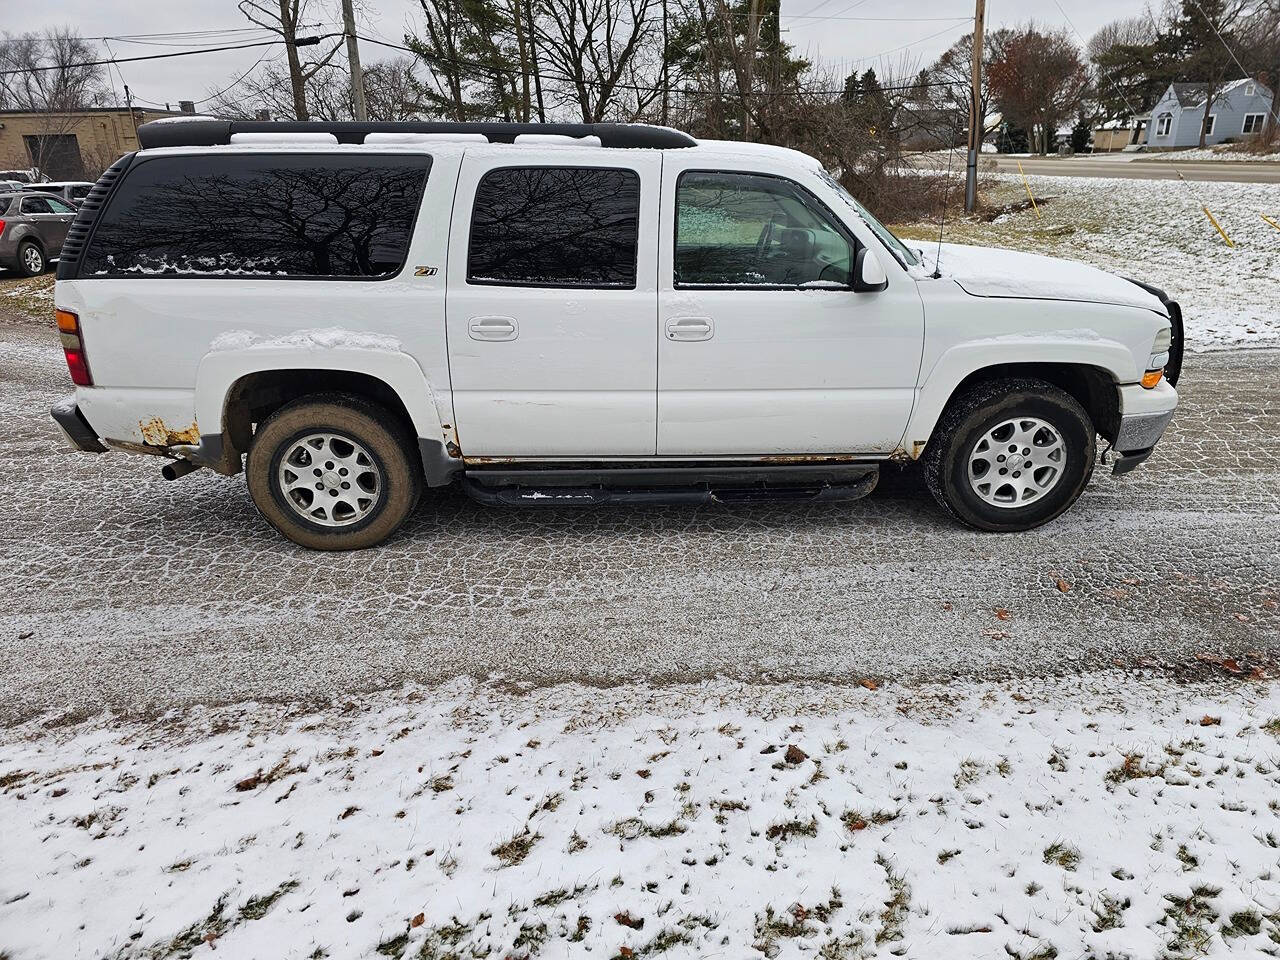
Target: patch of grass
point(440, 942)
point(894, 915)
point(945, 855)
point(531, 937)
point(581, 929)
point(663, 942)
point(1064, 855)
point(854, 821)
point(1133, 768)
point(1243, 923)
point(1189, 918)
point(1108, 913)
point(395, 947)
point(517, 848)
point(968, 774)
point(1188, 860)
point(634, 827)
point(783, 831)
point(255, 908)
point(216, 923)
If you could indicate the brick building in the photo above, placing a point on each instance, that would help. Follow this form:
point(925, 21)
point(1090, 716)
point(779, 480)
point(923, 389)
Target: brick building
point(71, 146)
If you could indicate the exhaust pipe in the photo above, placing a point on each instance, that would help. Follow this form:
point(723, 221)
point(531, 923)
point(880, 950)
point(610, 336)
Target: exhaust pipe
point(177, 469)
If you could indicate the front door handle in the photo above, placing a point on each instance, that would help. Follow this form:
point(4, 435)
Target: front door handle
point(493, 328)
point(690, 328)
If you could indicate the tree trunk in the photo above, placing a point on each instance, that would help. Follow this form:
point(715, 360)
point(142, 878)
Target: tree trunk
point(1272, 124)
point(289, 27)
point(1204, 120)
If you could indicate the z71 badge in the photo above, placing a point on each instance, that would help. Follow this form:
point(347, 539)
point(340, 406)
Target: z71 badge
point(424, 271)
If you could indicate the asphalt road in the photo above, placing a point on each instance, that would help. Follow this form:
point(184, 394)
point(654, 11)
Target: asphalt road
point(118, 589)
point(1125, 166)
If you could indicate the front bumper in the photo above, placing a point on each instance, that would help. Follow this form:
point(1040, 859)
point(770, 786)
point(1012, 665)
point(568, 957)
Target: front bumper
point(1145, 415)
point(66, 414)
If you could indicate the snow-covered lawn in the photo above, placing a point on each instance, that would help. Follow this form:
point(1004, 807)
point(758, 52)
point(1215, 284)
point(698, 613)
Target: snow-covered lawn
point(1156, 231)
point(1223, 152)
point(1116, 816)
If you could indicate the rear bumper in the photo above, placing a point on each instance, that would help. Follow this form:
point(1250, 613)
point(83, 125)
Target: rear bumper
point(66, 414)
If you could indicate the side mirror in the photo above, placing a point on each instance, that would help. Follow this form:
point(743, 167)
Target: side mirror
point(868, 272)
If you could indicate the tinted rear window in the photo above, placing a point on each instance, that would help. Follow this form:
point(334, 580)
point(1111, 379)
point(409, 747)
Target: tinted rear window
point(555, 227)
point(252, 215)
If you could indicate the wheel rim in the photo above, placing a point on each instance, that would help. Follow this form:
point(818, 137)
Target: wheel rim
point(34, 261)
point(329, 479)
point(1017, 462)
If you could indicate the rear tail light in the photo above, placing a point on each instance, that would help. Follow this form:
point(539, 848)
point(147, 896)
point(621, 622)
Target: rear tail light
point(73, 347)
point(1, 226)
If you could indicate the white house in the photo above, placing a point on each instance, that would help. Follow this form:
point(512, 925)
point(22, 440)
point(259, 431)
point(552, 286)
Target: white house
point(1238, 111)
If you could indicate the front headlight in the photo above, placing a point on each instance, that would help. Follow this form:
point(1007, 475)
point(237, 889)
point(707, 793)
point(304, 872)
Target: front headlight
point(1159, 357)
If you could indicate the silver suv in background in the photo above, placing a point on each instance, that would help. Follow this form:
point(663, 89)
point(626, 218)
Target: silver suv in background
point(32, 228)
point(73, 191)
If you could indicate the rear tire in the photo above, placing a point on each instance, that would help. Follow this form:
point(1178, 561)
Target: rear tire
point(334, 472)
point(983, 483)
point(31, 259)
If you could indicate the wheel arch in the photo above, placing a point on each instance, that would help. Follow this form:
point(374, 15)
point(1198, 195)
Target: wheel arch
point(1094, 382)
point(235, 392)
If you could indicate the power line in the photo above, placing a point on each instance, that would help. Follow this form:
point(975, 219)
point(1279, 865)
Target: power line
point(299, 42)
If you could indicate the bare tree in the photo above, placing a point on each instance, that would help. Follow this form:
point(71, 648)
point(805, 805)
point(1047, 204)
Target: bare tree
point(1039, 80)
point(283, 17)
point(55, 77)
point(391, 93)
point(1260, 48)
point(590, 46)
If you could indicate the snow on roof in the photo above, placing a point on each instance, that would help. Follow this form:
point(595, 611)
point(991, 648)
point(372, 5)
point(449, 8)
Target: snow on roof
point(1193, 94)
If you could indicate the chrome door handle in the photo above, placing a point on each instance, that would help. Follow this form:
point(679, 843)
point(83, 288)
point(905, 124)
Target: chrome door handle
point(493, 328)
point(690, 328)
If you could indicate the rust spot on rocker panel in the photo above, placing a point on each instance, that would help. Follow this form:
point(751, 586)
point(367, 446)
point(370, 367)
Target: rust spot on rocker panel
point(157, 433)
point(917, 448)
point(807, 458)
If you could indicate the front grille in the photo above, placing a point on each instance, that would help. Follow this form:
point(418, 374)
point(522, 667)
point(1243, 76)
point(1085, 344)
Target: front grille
point(86, 216)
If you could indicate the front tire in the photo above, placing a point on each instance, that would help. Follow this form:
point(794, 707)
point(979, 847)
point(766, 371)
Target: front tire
point(1010, 455)
point(31, 259)
point(334, 472)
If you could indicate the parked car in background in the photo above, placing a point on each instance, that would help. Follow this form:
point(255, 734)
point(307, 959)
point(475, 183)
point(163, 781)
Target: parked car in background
point(73, 191)
point(21, 176)
point(8, 186)
point(32, 228)
point(560, 314)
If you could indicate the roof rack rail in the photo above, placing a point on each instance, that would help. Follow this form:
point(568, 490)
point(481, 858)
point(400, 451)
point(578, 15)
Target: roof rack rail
point(208, 132)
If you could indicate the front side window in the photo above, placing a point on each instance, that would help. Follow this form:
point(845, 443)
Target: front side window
point(749, 230)
point(555, 227)
point(59, 206)
point(1163, 123)
point(80, 192)
point(260, 215)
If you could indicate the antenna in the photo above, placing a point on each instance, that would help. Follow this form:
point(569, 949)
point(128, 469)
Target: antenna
point(942, 221)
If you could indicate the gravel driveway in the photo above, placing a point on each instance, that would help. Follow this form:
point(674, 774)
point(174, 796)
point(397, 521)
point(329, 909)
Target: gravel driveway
point(118, 589)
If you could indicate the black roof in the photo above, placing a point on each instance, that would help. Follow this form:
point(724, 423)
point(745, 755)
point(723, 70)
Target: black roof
point(207, 132)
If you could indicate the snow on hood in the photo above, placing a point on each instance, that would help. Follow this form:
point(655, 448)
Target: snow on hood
point(993, 272)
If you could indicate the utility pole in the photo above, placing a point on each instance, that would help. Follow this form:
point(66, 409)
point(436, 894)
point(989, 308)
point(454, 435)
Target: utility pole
point(353, 61)
point(666, 75)
point(976, 120)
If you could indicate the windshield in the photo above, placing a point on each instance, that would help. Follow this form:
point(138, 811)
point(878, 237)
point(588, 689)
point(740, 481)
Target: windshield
point(896, 246)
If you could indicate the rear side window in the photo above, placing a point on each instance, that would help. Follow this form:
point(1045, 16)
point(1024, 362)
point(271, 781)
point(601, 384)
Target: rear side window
point(555, 227)
point(253, 215)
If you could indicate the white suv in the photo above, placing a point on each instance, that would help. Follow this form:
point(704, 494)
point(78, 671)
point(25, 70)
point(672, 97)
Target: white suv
point(559, 314)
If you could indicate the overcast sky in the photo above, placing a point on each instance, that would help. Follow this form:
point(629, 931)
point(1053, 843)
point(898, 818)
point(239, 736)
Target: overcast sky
point(824, 29)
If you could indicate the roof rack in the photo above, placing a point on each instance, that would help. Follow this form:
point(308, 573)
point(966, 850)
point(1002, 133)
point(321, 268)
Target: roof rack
point(208, 132)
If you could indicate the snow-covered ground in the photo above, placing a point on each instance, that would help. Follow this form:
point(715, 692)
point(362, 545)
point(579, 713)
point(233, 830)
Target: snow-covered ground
point(1113, 816)
point(1224, 152)
point(1156, 231)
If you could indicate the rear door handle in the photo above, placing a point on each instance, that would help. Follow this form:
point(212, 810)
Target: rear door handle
point(493, 328)
point(690, 328)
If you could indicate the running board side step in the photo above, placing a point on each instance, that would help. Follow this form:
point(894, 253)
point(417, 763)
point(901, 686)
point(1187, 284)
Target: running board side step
point(516, 495)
